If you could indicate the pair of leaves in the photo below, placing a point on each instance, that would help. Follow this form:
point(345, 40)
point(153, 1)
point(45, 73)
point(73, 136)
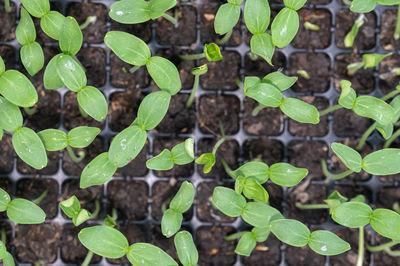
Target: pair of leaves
point(133, 50)
point(365, 6)
point(72, 208)
point(21, 211)
point(181, 154)
point(251, 189)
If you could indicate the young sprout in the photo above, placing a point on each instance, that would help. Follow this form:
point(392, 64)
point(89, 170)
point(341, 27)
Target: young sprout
point(369, 61)
point(30, 110)
point(352, 34)
point(226, 18)
point(303, 73)
point(89, 20)
point(7, 6)
point(309, 26)
point(139, 11)
point(197, 72)
point(72, 209)
point(211, 52)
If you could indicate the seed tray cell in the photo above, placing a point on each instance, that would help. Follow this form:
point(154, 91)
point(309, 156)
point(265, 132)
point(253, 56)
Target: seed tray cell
point(269, 136)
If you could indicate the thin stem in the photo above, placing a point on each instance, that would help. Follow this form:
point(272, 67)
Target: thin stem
point(41, 197)
point(3, 235)
point(221, 140)
point(7, 6)
point(226, 38)
point(333, 176)
point(360, 258)
point(235, 235)
point(392, 253)
point(170, 19)
point(74, 158)
point(365, 136)
point(394, 136)
point(114, 214)
point(37, 263)
point(192, 56)
point(134, 69)
point(88, 258)
point(83, 113)
point(96, 209)
point(311, 206)
point(258, 109)
point(397, 30)
point(330, 109)
point(239, 83)
point(382, 246)
point(30, 110)
point(227, 169)
point(89, 20)
point(390, 95)
point(194, 91)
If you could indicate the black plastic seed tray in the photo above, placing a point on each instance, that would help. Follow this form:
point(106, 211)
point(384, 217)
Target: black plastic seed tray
point(293, 142)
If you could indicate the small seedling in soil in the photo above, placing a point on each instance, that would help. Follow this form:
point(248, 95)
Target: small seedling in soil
point(197, 72)
point(5, 256)
point(303, 73)
point(72, 209)
point(309, 26)
point(211, 52)
point(369, 61)
point(351, 36)
point(89, 20)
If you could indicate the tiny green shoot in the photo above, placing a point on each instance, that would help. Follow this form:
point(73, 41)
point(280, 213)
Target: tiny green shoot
point(352, 34)
point(89, 20)
point(310, 26)
point(211, 52)
point(72, 209)
point(368, 61)
point(197, 72)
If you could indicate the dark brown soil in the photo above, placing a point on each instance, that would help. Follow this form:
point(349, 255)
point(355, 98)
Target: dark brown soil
point(268, 150)
point(72, 251)
point(162, 143)
point(206, 212)
point(308, 154)
point(261, 68)
point(162, 194)
point(95, 32)
point(35, 243)
point(94, 62)
point(50, 169)
point(8, 229)
point(213, 248)
point(31, 189)
point(185, 32)
point(382, 258)
point(387, 196)
point(142, 30)
point(266, 253)
point(319, 130)
point(7, 22)
point(302, 256)
point(6, 153)
point(166, 244)
point(319, 76)
point(365, 39)
point(214, 109)
point(122, 78)
point(136, 167)
point(275, 195)
point(363, 81)
point(229, 151)
point(387, 80)
point(129, 198)
point(314, 39)
point(8, 54)
point(388, 25)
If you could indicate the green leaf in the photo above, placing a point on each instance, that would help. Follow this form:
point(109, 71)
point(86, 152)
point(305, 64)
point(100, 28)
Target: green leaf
point(51, 79)
point(374, 108)
point(352, 214)
point(52, 24)
point(382, 162)
point(70, 206)
point(104, 241)
point(334, 200)
point(29, 147)
point(3, 250)
point(386, 223)
point(128, 47)
point(2, 66)
point(32, 58)
point(37, 8)
point(183, 153)
point(300, 111)
point(260, 214)
point(227, 17)
point(327, 243)
point(1, 134)
point(10, 116)
point(256, 170)
point(294, 4)
point(201, 70)
point(23, 211)
point(158, 7)
point(93, 102)
point(228, 201)
point(97, 172)
point(146, 254)
point(183, 198)
point(71, 37)
point(388, 2)
point(53, 139)
point(284, 174)
point(253, 190)
point(208, 159)
point(161, 162)
point(81, 137)
point(71, 73)
point(81, 217)
point(171, 222)
point(261, 233)
point(262, 45)
point(25, 31)
point(165, 74)
point(235, 2)
point(250, 82)
point(153, 109)
point(4, 200)
point(362, 6)
point(385, 130)
point(372, 60)
point(284, 27)
point(395, 103)
point(280, 80)
point(17, 88)
point(257, 16)
point(186, 248)
point(291, 232)
point(8, 260)
point(265, 94)
point(212, 52)
point(350, 157)
point(130, 12)
point(348, 95)
point(246, 244)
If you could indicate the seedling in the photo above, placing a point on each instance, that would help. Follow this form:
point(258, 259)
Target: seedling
point(351, 36)
point(7, 6)
point(186, 249)
point(197, 72)
point(139, 11)
point(211, 52)
point(303, 73)
point(72, 209)
point(5, 256)
point(386, 247)
point(369, 61)
point(89, 20)
point(310, 26)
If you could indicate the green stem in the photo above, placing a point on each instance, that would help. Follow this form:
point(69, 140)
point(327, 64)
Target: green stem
point(7, 6)
point(192, 56)
point(96, 209)
point(235, 235)
point(330, 109)
point(114, 214)
point(221, 140)
point(360, 258)
point(394, 136)
point(397, 30)
point(311, 206)
point(37, 263)
point(134, 69)
point(170, 19)
point(41, 197)
point(226, 38)
point(352, 68)
point(83, 113)
point(392, 253)
point(239, 83)
point(382, 246)
point(3, 235)
point(227, 169)
point(89, 20)
point(390, 95)
point(258, 109)
point(253, 56)
point(334, 176)
point(88, 258)
point(365, 136)
point(74, 158)
point(30, 110)
point(194, 90)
